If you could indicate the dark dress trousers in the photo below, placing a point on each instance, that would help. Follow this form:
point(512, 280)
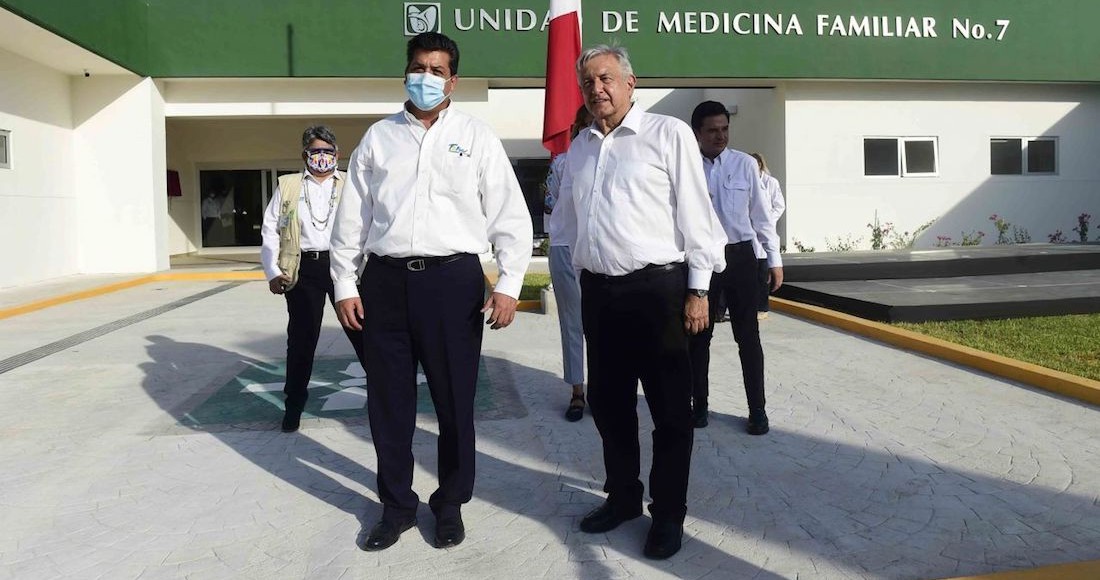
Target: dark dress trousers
point(305, 307)
point(740, 286)
point(422, 313)
point(634, 325)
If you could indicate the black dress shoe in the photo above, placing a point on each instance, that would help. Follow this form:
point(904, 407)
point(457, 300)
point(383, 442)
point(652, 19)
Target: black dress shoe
point(575, 411)
point(449, 532)
point(291, 420)
point(605, 518)
point(758, 422)
point(701, 417)
point(385, 534)
point(663, 540)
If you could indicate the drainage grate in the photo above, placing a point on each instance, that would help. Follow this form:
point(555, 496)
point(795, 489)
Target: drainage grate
point(71, 341)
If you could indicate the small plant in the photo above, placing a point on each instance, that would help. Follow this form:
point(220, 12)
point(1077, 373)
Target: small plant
point(879, 233)
point(1020, 235)
point(943, 241)
point(1002, 229)
point(972, 239)
point(843, 244)
point(1082, 228)
point(1057, 237)
point(905, 239)
point(801, 247)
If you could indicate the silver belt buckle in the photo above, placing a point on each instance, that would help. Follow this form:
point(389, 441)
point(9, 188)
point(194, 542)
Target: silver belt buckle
point(417, 265)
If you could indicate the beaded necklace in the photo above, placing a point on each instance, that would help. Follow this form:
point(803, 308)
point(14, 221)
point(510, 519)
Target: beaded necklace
point(321, 225)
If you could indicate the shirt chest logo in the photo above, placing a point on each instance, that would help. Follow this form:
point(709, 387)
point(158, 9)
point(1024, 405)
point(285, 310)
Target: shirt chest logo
point(458, 150)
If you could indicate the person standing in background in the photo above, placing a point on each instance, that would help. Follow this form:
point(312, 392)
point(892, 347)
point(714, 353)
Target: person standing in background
point(296, 232)
point(567, 291)
point(733, 179)
point(773, 197)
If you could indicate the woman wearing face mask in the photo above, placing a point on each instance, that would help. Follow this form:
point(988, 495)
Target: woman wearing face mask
point(567, 291)
point(295, 254)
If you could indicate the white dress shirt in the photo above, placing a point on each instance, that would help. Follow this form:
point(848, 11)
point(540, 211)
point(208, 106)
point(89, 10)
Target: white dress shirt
point(733, 179)
point(313, 238)
point(637, 196)
point(774, 194)
point(561, 230)
point(414, 192)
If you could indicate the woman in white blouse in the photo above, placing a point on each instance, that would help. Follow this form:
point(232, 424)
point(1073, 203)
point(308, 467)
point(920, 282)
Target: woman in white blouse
point(776, 207)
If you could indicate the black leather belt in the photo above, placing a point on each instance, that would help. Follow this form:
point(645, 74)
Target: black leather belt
point(415, 264)
point(314, 254)
point(639, 274)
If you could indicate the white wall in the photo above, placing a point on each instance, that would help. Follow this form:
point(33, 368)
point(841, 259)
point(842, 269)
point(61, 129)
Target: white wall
point(37, 203)
point(828, 195)
point(118, 139)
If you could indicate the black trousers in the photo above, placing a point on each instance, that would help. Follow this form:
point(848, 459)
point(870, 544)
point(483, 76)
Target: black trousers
point(431, 318)
point(741, 288)
point(305, 307)
point(763, 279)
point(634, 325)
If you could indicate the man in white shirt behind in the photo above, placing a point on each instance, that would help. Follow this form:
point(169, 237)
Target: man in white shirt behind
point(646, 240)
point(316, 193)
point(429, 188)
point(738, 196)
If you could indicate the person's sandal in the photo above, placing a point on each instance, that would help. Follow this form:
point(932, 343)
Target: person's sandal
point(576, 408)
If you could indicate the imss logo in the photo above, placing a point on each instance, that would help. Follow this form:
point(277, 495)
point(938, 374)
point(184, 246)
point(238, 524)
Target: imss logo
point(421, 17)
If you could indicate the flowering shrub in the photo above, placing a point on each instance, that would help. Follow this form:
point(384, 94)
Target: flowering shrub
point(1002, 228)
point(943, 241)
point(1057, 237)
point(1082, 228)
point(800, 247)
point(842, 244)
point(972, 239)
point(879, 233)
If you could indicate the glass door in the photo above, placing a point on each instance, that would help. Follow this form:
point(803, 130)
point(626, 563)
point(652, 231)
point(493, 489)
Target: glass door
point(232, 207)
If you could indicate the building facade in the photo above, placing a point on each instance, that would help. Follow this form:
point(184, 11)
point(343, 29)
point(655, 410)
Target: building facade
point(125, 123)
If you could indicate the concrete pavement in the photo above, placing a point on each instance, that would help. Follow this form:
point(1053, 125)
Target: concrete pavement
point(139, 442)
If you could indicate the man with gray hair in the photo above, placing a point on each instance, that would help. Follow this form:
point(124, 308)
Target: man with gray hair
point(646, 242)
point(296, 233)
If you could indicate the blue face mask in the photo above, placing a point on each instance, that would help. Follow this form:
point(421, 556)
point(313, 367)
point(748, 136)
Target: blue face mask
point(425, 90)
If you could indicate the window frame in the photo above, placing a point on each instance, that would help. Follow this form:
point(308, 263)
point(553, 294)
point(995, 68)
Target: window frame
point(1025, 142)
point(902, 162)
point(6, 163)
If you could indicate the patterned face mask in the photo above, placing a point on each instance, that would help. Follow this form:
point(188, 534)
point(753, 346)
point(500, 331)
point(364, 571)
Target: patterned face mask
point(321, 160)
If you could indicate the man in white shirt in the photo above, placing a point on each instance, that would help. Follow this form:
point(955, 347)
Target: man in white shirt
point(646, 240)
point(738, 196)
point(429, 189)
point(317, 191)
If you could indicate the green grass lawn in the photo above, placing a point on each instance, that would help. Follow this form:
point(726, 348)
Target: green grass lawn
point(1069, 344)
point(533, 283)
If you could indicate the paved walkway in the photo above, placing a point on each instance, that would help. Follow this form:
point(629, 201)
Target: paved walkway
point(138, 441)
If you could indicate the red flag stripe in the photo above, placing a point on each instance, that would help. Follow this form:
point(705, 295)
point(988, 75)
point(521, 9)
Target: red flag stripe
point(563, 96)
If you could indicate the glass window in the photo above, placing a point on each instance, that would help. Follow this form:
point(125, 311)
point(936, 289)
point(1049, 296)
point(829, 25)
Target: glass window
point(5, 149)
point(531, 173)
point(1023, 155)
point(1006, 156)
point(1041, 156)
point(880, 157)
point(920, 157)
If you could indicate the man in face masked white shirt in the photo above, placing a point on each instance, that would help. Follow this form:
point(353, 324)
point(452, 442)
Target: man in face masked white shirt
point(429, 189)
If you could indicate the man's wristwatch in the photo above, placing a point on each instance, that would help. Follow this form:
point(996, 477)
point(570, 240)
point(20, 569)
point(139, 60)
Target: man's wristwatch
point(698, 293)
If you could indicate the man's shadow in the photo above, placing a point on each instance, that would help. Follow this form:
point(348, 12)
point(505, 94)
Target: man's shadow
point(178, 379)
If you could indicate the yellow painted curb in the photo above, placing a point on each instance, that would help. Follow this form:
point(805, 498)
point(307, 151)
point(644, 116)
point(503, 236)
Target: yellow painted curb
point(529, 306)
point(108, 288)
point(1079, 388)
point(1075, 571)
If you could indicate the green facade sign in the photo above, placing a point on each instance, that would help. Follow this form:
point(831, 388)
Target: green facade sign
point(1014, 40)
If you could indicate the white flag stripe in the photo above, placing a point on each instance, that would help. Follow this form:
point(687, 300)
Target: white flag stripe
point(561, 7)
